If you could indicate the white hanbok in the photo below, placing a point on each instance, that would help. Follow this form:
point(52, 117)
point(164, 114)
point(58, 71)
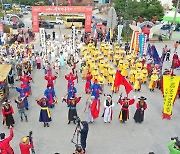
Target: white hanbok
point(57, 67)
point(88, 115)
point(108, 110)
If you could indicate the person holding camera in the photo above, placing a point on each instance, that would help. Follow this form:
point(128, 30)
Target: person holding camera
point(25, 145)
point(4, 143)
point(84, 133)
point(174, 146)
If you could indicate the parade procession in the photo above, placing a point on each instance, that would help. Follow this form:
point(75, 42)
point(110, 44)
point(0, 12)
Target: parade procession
point(79, 85)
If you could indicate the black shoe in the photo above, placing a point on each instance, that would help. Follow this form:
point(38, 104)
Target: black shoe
point(27, 108)
point(47, 124)
point(21, 119)
point(74, 122)
point(44, 124)
point(69, 122)
point(26, 118)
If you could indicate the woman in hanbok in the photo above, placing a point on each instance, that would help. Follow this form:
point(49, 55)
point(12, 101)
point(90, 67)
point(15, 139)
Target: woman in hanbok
point(108, 105)
point(61, 59)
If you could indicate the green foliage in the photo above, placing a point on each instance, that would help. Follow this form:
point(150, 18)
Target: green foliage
point(33, 2)
point(131, 9)
point(7, 28)
point(175, 3)
point(1, 13)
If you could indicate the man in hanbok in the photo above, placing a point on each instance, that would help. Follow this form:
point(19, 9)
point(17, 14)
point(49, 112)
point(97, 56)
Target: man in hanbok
point(124, 113)
point(88, 82)
point(45, 115)
point(7, 112)
point(57, 67)
point(153, 80)
point(70, 77)
point(23, 93)
point(26, 81)
point(141, 107)
point(50, 95)
point(71, 91)
point(72, 108)
point(108, 105)
point(95, 89)
point(50, 79)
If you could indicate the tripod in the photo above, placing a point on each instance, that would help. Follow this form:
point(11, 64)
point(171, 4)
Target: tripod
point(76, 133)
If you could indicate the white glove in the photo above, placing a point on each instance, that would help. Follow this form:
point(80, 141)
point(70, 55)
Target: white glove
point(134, 96)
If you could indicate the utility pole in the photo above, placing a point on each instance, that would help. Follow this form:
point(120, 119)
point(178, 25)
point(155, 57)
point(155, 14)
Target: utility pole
point(174, 20)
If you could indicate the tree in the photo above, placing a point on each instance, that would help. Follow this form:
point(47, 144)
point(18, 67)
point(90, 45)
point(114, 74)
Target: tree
point(131, 9)
point(175, 3)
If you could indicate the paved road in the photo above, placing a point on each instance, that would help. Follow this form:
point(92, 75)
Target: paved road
point(130, 138)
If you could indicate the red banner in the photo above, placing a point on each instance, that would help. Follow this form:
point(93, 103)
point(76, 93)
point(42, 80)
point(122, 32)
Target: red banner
point(61, 9)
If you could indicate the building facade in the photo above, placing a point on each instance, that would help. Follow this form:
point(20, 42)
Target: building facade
point(75, 2)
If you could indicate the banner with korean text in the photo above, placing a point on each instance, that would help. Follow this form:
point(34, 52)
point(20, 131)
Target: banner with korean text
point(120, 28)
point(170, 87)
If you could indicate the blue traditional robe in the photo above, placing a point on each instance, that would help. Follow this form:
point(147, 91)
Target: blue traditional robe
point(95, 88)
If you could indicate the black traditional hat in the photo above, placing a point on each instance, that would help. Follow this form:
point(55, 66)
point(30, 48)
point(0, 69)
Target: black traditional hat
point(142, 98)
point(108, 95)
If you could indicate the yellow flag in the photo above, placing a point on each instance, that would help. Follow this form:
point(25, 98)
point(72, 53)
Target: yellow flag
point(111, 34)
point(170, 87)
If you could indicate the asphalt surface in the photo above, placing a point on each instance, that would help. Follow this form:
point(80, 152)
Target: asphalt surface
point(114, 138)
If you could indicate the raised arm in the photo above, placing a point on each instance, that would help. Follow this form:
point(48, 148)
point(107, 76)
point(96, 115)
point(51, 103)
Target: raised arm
point(131, 101)
point(11, 135)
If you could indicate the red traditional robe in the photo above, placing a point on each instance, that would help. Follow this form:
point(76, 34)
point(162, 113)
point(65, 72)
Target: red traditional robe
point(70, 77)
point(5, 147)
point(88, 82)
point(26, 80)
point(50, 79)
point(95, 108)
point(176, 61)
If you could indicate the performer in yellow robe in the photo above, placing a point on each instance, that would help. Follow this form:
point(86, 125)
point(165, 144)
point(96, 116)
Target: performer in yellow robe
point(95, 73)
point(92, 64)
point(106, 50)
point(102, 46)
point(132, 74)
point(101, 80)
point(138, 80)
point(90, 45)
point(105, 70)
point(110, 55)
point(138, 64)
point(111, 76)
point(145, 73)
point(153, 80)
point(101, 65)
point(124, 71)
point(84, 72)
point(116, 60)
point(120, 65)
point(116, 48)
